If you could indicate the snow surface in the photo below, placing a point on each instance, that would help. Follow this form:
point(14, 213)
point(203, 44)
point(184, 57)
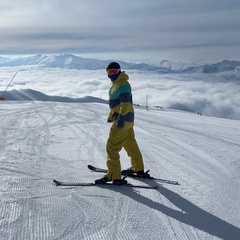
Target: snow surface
point(45, 140)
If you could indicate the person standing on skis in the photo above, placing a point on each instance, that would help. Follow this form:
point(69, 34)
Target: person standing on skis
point(121, 133)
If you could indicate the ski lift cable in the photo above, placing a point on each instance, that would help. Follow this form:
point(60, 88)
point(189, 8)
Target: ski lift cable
point(8, 85)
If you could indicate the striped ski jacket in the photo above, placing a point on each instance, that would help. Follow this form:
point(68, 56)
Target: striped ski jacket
point(120, 101)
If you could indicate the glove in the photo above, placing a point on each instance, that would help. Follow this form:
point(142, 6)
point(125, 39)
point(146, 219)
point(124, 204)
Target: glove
point(112, 117)
point(109, 120)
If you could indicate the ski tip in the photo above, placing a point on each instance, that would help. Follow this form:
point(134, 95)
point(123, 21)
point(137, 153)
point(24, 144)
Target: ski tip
point(90, 166)
point(56, 182)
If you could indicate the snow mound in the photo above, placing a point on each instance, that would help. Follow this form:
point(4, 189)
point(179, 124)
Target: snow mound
point(32, 95)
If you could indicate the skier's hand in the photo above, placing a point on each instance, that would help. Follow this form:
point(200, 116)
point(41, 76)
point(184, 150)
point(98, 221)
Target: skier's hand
point(109, 120)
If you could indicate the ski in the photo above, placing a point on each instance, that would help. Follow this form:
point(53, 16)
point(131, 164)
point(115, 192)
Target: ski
point(80, 184)
point(96, 169)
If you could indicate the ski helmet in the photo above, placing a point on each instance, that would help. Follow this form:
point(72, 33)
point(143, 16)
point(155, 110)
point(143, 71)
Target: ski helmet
point(113, 65)
point(113, 70)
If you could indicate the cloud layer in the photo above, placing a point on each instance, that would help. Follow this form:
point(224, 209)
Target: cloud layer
point(208, 94)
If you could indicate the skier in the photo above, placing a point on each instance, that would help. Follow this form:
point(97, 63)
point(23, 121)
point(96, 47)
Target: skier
point(121, 132)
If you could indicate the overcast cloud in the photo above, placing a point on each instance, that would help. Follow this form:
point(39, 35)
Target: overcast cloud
point(140, 30)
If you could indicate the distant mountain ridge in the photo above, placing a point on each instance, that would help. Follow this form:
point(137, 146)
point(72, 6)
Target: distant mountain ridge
point(75, 62)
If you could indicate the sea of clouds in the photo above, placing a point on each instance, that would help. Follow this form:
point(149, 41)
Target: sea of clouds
point(208, 94)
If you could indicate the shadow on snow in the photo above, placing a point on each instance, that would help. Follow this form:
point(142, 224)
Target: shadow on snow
point(191, 214)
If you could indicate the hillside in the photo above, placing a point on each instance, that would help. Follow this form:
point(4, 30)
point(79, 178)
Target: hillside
point(32, 95)
point(45, 140)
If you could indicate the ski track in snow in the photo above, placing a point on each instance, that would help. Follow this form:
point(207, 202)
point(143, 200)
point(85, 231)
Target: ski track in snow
point(45, 140)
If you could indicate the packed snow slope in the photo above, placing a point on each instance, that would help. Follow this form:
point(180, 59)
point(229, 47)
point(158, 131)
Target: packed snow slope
point(41, 141)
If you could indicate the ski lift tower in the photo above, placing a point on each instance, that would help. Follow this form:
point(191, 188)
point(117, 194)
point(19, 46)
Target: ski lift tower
point(147, 108)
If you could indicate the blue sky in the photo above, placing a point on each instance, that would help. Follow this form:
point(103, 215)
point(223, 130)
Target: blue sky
point(139, 30)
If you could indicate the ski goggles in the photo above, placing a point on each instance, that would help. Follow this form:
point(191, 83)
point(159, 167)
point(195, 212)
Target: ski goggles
point(113, 71)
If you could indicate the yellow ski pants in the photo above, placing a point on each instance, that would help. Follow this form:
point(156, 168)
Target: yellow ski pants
point(117, 139)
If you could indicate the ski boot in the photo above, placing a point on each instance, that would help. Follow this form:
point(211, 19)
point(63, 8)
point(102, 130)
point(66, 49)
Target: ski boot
point(103, 180)
point(120, 181)
point(140, 174)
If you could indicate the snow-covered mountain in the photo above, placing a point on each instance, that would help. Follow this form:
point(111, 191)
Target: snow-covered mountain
point(41, 141)
point(61, 61)
point(75, 62)
point(223, 66)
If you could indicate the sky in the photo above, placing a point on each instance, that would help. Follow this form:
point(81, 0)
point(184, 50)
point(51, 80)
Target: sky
point(136, 30)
